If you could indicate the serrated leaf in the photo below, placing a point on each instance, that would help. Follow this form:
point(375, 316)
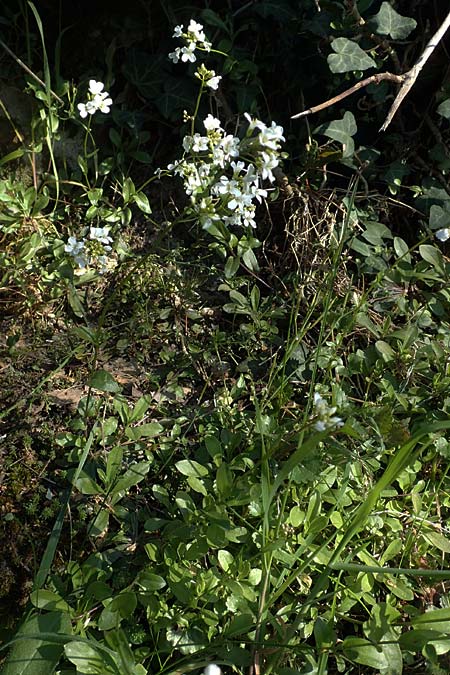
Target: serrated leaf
point(189, 467)
point(348, 56)
point(389, 22)
point(33, 656)
point(342, 131)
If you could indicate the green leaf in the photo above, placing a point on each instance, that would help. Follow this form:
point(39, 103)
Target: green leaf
point(11, 156)
point(189, 467)
point(385, 350)
point(212, 19)
point(433, 256)
point(444, 109)
point(149, 430)
point(100, 524)
point(348, 57)
point(416, 640)
point(124, 603)
point(389, 22)
point(342, 131)
point(434, 619)
point(232, 266)
point(113, 463)
point(225, 559)
point(250, 261)
point(385, 658)
point(43, 599)
point(150, 582)
point(401, 249)
point(141, 407)
point(439, 217)
point(438, 540)
point(197, 485)
point(86, 485)
point(118, 641)
point(132, 476)
point(35, 656)
point(103, 381)
point(87, 660)
point(239, 625)
point(141, 201)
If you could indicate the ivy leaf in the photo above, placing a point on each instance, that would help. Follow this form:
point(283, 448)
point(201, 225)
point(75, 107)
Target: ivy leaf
point(444, 109)
point(389, 22)
point(341, 131)
point(349, 56)
point(439, 217)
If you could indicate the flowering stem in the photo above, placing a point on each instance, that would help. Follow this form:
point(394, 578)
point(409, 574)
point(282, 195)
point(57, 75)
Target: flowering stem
point(197, 105)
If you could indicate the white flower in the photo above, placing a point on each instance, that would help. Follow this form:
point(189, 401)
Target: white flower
point(212, 669)
point(211, 123)
point(175, 56)
point(195, 143)
point(76, 248)
point(443, 234)
point(325, 414)
point(82, 109)
point(100, 234)
point(196, 30)
point(178, 31)
point(213, 81)
point(73, 246)
point(187, 53)
point(95, 87)
point(270, 137)
point(102, 103)
point(98, 100)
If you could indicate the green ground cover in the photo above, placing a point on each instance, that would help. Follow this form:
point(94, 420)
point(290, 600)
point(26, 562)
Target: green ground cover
point(225, 342)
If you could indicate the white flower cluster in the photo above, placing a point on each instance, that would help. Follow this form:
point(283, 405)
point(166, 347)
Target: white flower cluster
point(324, 414)
point(194, 38)
point(98, 100)
point(221, 186)
point(91, 251)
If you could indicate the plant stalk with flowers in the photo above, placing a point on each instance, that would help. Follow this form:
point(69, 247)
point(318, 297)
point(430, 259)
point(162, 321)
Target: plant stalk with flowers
point(224, 175)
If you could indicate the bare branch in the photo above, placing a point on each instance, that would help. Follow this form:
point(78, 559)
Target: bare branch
point(406, 80)
point(411, 76)
point(373, 79)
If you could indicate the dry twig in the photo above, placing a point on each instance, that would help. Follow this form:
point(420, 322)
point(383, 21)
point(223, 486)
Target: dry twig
point(406, 80)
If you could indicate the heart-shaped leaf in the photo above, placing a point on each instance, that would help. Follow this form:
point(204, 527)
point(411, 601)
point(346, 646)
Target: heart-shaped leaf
point(349, 56)
point(389, 22)
point(341, 131)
